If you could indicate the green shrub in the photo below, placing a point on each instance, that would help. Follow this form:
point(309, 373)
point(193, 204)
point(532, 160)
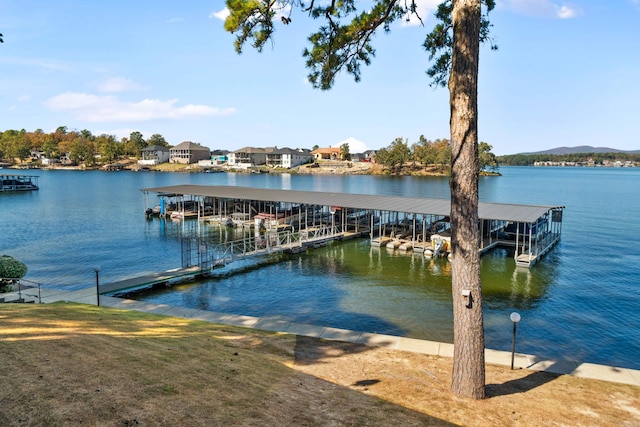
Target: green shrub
point(11, 270)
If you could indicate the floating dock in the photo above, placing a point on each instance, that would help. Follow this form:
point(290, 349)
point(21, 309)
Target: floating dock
point(150, 279)
point(11, 182)
point(294, 220)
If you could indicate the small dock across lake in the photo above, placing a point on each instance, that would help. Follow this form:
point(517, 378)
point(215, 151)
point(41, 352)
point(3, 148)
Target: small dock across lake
point(12, 182)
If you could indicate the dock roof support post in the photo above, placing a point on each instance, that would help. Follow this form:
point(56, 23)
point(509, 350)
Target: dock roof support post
point(531, 240)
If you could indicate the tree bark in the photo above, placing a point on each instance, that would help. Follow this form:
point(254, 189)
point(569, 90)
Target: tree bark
point(468, 378)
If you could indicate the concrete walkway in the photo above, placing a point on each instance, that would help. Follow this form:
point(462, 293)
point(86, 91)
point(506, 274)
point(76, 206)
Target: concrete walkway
point(494, 357)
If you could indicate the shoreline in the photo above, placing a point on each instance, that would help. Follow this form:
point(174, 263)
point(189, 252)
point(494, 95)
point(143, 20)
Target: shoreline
point(349, 168)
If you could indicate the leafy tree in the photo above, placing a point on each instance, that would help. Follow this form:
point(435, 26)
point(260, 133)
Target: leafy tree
point(37, 138)
point(50, 148)
point(433, 153)
point(108, 147)
point(157, 139)
point(454, 45)
point(16, 144)
point(22, 147)
point(344, 151)
point(135, 144)
point(87, 135)
point(422, 152)
point(486, 159)
point(60, 133)
point(397, 155)
point(79, 151)
point(442, 149)
point(382, 156)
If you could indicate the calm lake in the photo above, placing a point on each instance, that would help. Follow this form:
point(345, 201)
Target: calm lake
point(580, 302)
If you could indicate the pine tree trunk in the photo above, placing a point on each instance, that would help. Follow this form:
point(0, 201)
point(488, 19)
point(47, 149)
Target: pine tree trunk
point(468, 378)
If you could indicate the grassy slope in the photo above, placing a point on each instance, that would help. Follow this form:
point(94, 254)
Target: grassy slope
point(67, 364)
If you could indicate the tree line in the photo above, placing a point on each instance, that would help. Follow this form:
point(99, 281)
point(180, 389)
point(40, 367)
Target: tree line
point(596, 158)
point(81, 146)
point(431, 155)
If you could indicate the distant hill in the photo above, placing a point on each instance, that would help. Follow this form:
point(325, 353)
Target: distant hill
point(581, 149)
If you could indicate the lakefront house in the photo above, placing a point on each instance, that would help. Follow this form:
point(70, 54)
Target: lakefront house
point(288, 158)
point(154, 155)
point(188, 152)
point(329, 153)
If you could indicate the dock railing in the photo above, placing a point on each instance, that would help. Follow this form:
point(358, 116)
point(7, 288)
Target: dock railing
point(208, 255)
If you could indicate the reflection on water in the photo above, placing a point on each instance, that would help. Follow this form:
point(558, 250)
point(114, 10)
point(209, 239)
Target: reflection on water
point(352, 285)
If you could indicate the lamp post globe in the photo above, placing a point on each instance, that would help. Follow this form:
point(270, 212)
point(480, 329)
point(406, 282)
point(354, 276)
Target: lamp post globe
point(515, 318)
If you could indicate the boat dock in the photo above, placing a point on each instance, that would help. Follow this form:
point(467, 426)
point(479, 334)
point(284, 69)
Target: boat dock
point(169, 276)
point(289, 220)
point(12, 182)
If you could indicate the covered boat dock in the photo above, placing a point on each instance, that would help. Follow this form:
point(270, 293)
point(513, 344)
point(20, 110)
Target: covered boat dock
point(13, 182)
point(296, 220)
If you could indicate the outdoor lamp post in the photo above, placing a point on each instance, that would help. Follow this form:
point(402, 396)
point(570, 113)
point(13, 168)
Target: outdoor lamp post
point(515, 318)
point(97, 270)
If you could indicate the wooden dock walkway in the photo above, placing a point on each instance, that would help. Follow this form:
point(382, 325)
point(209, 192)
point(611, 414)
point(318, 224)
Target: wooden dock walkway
point(242, 251)
point(151, 279)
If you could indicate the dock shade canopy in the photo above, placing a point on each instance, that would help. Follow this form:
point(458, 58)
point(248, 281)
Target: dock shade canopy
point(417, 205)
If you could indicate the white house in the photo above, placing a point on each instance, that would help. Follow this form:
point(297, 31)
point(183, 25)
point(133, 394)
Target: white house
point(154, 155)
point(288, 158)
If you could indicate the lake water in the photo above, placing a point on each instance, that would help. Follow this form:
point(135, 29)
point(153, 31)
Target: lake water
point(579, 302)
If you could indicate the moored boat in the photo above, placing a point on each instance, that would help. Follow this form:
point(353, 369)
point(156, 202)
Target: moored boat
point(380, 241)
point(406, 246)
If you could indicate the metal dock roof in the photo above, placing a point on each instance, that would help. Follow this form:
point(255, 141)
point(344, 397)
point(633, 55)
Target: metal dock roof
point(418, 205)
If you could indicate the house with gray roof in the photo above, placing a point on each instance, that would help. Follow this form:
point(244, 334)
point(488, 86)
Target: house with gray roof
point(154, 155)
point(249, 156)
point(188, 152)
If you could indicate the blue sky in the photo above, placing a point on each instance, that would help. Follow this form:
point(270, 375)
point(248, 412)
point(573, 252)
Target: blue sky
point(565, 74)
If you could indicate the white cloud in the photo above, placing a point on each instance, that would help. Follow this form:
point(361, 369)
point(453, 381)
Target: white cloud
point(280, 9)
point(95, 108)
point(425, 9)
point(117, 84)
point(355, 146)
point(567, 12)
point(542, 8)
point(222, 15)
point(172, 20)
